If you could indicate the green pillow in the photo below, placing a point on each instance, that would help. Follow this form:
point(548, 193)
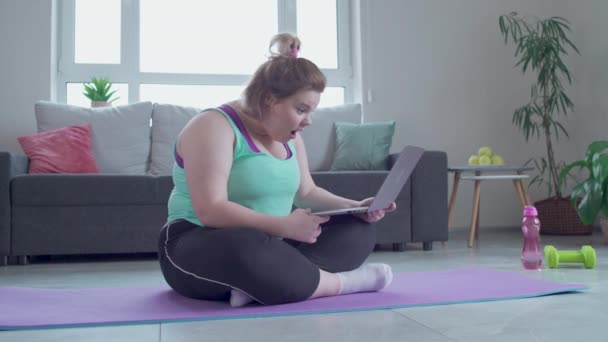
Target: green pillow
point(362, 146)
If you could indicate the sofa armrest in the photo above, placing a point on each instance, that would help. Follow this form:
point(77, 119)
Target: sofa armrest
point(392, 159)
point(11, 164)
point(430, 198)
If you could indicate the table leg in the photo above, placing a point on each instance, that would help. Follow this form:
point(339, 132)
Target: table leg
point(478, 211)
point(475, 215)
point(453, 196)
point(519, 192)
point(478, 173)
point(524, 192)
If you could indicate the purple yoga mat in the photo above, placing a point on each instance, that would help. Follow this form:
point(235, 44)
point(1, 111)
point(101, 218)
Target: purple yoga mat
point(26, 308)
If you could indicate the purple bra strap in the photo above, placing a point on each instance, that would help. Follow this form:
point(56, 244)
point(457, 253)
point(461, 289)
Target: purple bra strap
point(239, 124)
point(178, 159)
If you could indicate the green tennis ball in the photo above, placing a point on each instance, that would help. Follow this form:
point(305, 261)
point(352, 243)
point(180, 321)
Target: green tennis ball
point(485, 151)
point(474, 160)
point(485, 160)
point(497, 160)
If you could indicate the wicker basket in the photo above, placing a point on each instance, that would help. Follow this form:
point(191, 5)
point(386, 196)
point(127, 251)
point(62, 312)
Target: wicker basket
point(558, 217)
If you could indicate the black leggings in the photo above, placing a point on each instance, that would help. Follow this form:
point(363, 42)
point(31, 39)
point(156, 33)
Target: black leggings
point(206, 263)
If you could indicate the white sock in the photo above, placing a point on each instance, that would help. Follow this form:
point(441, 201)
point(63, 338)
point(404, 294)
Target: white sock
point(367, 278)
point(239, 298)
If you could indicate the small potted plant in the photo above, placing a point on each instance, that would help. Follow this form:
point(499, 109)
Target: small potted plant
point(98, 91)
point(590, 196)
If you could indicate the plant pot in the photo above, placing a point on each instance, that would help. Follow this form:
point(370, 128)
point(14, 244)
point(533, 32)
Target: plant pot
point(558, 217)
point(96, 104)
point(604, 225)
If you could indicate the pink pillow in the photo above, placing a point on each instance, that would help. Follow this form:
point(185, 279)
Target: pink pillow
point(64, 150)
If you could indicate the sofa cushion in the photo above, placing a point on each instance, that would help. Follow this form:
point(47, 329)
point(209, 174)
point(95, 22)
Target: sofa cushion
point(120, 136)
point(99, 229)
point(167, 122)
point(362, 146)
point(320, 137)
point(64, 150)
point(83, 190)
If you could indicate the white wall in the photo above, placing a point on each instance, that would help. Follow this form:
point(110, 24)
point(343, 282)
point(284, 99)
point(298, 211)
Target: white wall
point(438, 68)
point(25, 66)
point(441, 70)
point(591, 94)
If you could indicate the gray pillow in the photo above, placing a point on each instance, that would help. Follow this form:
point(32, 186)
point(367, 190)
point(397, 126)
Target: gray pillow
point(320, 136)
point(120, 136)
point(363, 147)
point(167, 122)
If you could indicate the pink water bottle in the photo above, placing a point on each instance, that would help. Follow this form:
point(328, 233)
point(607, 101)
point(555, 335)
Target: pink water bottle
point(531, 257)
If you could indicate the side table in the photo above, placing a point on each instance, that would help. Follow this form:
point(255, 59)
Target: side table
point(481, 173)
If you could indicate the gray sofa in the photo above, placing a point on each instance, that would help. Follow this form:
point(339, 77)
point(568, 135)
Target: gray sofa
point(107, 213)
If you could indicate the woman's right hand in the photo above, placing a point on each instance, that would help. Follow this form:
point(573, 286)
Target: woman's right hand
point(301, 226)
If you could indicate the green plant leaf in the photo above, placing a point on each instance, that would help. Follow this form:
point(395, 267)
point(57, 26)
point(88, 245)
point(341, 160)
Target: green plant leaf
point(99, 89)
point(581, 164)
point(594, 149)
point(501, 24)
point(590, 195)
point(599, 167)
point(604, 208)
point(562, 129)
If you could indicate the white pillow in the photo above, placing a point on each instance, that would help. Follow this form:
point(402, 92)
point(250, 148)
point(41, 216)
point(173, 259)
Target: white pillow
point(120, 136)
point(320, 137)
point(167, 122)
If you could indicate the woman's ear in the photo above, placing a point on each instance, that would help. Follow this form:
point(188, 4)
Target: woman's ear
point(269, 101)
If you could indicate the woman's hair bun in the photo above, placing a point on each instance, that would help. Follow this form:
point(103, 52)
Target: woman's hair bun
point(284, 44)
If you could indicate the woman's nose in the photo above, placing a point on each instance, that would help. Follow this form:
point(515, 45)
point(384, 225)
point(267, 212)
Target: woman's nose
point(307, 119)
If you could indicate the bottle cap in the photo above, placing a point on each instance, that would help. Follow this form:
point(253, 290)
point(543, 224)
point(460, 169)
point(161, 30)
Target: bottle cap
point(530, 210)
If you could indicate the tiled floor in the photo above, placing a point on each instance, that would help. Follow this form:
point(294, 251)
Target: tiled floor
point(570, 317)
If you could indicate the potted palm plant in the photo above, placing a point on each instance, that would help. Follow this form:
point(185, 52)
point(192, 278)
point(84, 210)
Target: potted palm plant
point(98, 91)
point(541, 46)
point(590, 196)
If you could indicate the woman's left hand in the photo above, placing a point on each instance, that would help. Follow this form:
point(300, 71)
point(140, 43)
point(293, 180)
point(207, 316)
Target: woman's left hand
point(376, 215)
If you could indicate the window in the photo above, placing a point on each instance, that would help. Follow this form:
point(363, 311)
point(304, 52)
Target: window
point(92, 45)
point(235, 45)
point(196, 53)
point(202, 96)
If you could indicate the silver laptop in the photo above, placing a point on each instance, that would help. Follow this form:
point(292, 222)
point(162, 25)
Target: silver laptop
point(392, 185)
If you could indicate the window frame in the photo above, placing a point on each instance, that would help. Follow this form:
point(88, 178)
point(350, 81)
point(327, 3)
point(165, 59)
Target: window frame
point(128, 70)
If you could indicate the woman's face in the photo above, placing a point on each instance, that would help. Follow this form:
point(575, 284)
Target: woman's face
point(286, 117)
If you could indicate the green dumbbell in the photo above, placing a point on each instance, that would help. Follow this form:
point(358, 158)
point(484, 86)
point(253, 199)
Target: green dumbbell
point(586, 256)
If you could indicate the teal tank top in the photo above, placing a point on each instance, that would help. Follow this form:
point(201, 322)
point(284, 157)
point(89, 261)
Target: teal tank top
point(257, 180)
